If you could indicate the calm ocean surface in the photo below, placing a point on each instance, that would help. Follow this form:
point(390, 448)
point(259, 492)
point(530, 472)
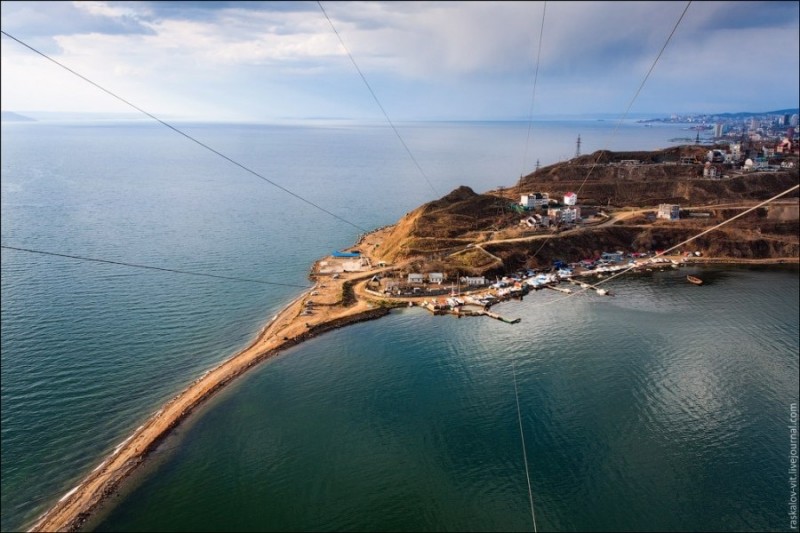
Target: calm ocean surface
point(664, 408)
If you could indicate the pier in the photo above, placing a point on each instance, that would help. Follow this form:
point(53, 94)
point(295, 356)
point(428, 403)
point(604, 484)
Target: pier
point(584, 285)
point(439, 309)
point(559, 289)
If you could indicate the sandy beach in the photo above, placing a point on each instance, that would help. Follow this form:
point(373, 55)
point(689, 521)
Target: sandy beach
point(293, 325)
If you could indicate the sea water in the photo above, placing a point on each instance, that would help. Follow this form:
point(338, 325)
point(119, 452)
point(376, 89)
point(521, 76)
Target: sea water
point(664, 407)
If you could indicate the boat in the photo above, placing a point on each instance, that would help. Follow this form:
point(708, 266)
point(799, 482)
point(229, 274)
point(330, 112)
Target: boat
point(601, 292)
point(695, 280)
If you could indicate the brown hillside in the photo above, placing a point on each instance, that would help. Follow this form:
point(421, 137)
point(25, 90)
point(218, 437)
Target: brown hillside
point(659, 179)
point(445, 224)
point(460, 232)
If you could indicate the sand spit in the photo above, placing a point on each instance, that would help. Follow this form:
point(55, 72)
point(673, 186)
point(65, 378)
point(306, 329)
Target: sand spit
point(290, 327)
point(336, 300)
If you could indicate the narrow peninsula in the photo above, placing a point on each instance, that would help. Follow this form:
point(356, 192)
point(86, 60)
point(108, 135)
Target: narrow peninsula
point(591, 214)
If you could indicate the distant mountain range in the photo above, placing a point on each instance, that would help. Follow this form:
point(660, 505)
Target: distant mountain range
point(8, 116)
point(744, 114)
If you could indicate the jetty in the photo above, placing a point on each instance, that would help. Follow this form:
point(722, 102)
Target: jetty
point(459, 311)
point(587, 286)
point(559, 289)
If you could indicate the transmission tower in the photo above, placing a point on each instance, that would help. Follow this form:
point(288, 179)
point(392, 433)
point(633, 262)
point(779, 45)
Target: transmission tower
point(578, 146)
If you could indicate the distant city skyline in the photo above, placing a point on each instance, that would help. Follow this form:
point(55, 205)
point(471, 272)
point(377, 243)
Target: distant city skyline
point(424, 60)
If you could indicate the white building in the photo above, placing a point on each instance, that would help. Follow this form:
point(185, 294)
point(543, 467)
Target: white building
point(436, 277)
point(536, 200)
point(476, 281)
point(669, 211)
point(568, 215)
point(415, 278)
point(570, 198)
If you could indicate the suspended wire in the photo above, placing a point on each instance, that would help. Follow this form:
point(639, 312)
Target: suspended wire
point(148, 267)
point(709, 230)
point(183, 133)
point(524, 452)
point(627, 110)
point(375, 97)
point(533, 93)
point(635, 96)
point(690, 239)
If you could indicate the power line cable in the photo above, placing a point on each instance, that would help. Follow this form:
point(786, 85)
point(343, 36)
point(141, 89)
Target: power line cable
point(533, 93)
point(709, 230)
point(636, 95)
point(375, 97)
point(148, 267)
point(183, 133)
point(627, 110)
point(524, 452)
point(690, 239)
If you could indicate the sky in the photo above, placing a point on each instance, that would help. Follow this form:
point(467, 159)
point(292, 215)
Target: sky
point(262, 61)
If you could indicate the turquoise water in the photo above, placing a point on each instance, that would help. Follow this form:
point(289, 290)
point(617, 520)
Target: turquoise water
point(666, 405)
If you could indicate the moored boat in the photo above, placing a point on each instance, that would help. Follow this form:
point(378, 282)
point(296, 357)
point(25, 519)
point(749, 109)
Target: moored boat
point(695, 280)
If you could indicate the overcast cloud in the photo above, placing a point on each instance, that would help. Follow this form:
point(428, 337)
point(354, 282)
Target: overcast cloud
point(425, 60)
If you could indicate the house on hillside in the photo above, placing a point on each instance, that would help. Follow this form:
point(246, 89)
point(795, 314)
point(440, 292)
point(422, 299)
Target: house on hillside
point(436, 277)
point(416, 278)
point(669, 211)
point(536, 200)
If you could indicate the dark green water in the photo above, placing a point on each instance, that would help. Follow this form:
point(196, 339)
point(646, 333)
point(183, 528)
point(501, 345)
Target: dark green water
point(663, 408)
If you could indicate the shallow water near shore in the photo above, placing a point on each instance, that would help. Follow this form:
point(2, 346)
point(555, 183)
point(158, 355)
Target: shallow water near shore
point(666, 403)
point(675, 421)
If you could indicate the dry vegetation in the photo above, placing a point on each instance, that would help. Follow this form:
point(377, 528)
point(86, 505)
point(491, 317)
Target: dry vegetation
point(437, 235)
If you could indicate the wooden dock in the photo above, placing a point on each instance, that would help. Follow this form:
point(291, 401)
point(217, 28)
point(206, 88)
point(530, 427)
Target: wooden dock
point(459, 312)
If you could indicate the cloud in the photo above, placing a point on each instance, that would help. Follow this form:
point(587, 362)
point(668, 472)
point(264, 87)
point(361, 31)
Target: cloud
point(419, 57)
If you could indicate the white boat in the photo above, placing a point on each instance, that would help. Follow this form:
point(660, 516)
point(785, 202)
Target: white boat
point(601, 292)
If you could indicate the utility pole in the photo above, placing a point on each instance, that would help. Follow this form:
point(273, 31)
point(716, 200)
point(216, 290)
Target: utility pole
point(578, 146)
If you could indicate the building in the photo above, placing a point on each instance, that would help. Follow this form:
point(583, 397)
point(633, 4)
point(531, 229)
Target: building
point(415, 278)
point(436, 277)
point(535, 200)
point(784, 146)
point(476, 281)
point(570, 215)
point(570, 198)
point(718, 129)
point(669, 211)
point(567, 215)
point(709, 171)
